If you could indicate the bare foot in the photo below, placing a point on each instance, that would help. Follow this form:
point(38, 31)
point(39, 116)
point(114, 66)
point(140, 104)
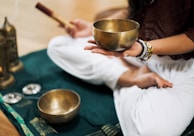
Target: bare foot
point(143, 78)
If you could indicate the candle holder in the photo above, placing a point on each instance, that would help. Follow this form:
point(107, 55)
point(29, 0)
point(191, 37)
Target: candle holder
point(13, 60)
point(6, 79)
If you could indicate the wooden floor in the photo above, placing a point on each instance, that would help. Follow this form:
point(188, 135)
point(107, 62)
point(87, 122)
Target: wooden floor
point(35, 30)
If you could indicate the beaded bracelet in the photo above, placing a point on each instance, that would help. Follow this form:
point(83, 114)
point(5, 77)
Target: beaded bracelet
point(146, 50)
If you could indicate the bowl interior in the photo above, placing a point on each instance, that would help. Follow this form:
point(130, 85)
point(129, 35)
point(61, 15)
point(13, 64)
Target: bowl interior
point(59, 102)
point(115, 25)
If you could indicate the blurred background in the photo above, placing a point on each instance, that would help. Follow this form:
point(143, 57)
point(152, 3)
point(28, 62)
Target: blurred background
point(35, 29)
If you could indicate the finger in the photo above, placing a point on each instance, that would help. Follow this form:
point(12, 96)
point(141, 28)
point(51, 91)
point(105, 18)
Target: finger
point(90, 47)
point(67, 30)
point(168, 84)
point(92, 41)
point(71, 31)
point(161, 83)
point(95, 49)
point(101, 51)
point(106, 52)
point(74, 22)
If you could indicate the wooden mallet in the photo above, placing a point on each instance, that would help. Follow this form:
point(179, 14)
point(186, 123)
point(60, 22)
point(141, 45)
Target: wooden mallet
point(51, 14)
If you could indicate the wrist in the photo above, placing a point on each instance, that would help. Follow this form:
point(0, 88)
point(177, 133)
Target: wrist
point(146, 52)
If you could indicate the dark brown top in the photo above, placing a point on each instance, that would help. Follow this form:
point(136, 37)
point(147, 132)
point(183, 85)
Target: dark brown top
point(166, 18)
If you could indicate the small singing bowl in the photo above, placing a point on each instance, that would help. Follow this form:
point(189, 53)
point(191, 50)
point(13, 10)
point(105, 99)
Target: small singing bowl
point(115, 34)
point(59, 106)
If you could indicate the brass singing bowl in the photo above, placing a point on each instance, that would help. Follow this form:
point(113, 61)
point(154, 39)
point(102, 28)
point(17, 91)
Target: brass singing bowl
point(115, 34)
point(59, 106)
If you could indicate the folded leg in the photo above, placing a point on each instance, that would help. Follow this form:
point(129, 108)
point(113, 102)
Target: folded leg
point(69, 54)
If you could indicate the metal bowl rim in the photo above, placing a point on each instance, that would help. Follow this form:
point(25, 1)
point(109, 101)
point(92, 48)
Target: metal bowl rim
point(108, 19)
point(66, 113)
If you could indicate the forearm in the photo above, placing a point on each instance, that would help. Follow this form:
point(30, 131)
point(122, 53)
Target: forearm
point(173, 45)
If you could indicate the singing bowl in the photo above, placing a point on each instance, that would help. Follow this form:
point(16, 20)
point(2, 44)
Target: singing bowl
point(115, 34)
point(59, 106)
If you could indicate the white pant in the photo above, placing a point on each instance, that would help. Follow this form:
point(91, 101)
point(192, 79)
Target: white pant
point(141, 112)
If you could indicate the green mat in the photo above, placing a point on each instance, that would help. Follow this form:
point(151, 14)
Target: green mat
point(97, 106)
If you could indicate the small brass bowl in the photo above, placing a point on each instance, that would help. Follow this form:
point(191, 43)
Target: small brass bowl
point(59, 106)
point(115, 34)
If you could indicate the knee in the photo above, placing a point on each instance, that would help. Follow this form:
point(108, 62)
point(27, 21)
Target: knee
point(56, 45)
point(55, 42)
point(151, 127)
point(51, 49)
